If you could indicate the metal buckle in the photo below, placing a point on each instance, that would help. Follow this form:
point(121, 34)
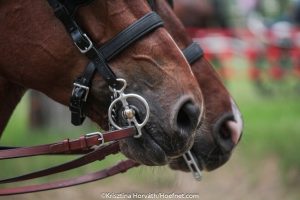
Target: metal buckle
point(86, 49)
point(101, 138)
point(86, 88)
point(192, 164)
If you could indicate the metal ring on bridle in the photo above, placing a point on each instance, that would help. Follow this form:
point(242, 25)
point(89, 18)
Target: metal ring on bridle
point(123, 99)
point(122, 88)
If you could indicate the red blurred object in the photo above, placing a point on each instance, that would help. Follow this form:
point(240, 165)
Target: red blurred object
point(222, 43)
point(226, 36)
point(276, 72)
point(254, 73)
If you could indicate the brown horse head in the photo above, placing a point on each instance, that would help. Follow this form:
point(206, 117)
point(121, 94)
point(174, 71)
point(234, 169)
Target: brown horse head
point(221, 128)
point(37, 52)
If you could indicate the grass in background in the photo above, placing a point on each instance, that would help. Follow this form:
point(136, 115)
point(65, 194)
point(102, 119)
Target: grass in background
point(272, 121)
point(272, 128)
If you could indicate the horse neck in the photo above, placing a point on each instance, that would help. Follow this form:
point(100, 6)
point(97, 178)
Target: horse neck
point(36, 52)
point(10, 95)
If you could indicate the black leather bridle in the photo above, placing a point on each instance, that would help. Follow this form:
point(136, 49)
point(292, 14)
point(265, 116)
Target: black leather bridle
point(99, 57)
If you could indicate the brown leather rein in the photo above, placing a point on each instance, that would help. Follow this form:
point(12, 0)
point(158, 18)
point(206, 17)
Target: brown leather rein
point(95, 146)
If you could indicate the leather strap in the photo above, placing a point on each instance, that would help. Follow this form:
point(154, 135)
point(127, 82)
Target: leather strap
point(98, 154)
point(80, 145)
point(85, 46)
point(73, 5)
point(121, 167)
point(193, 52)
point(171, 3)
point(119, 43)
point(71, 26)
point(81, 87)
point(83, 143)
point(131, 34)
point(152, 4)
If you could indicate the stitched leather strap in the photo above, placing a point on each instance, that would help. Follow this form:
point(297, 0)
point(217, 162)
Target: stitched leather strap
point(152, 4)
point(83, 144)
point(193, 52)
point(98, 154)
point(121, 167)
point(65, 146)
point(132, 33)
point(81, 87)
point(72, 5)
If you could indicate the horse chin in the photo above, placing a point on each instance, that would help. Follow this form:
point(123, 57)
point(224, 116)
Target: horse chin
point(207, 159)
point(152, 148)
point(215, 161)
point(180, 164)
point(207, 153)
point(144, 150)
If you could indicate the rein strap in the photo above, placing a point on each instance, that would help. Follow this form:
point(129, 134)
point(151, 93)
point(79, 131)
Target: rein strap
point(121, 167)
point(84, 144)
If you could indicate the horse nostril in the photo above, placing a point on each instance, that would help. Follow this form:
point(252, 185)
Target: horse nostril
point(188, 116)
point(234, 131)
point(227, 133)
